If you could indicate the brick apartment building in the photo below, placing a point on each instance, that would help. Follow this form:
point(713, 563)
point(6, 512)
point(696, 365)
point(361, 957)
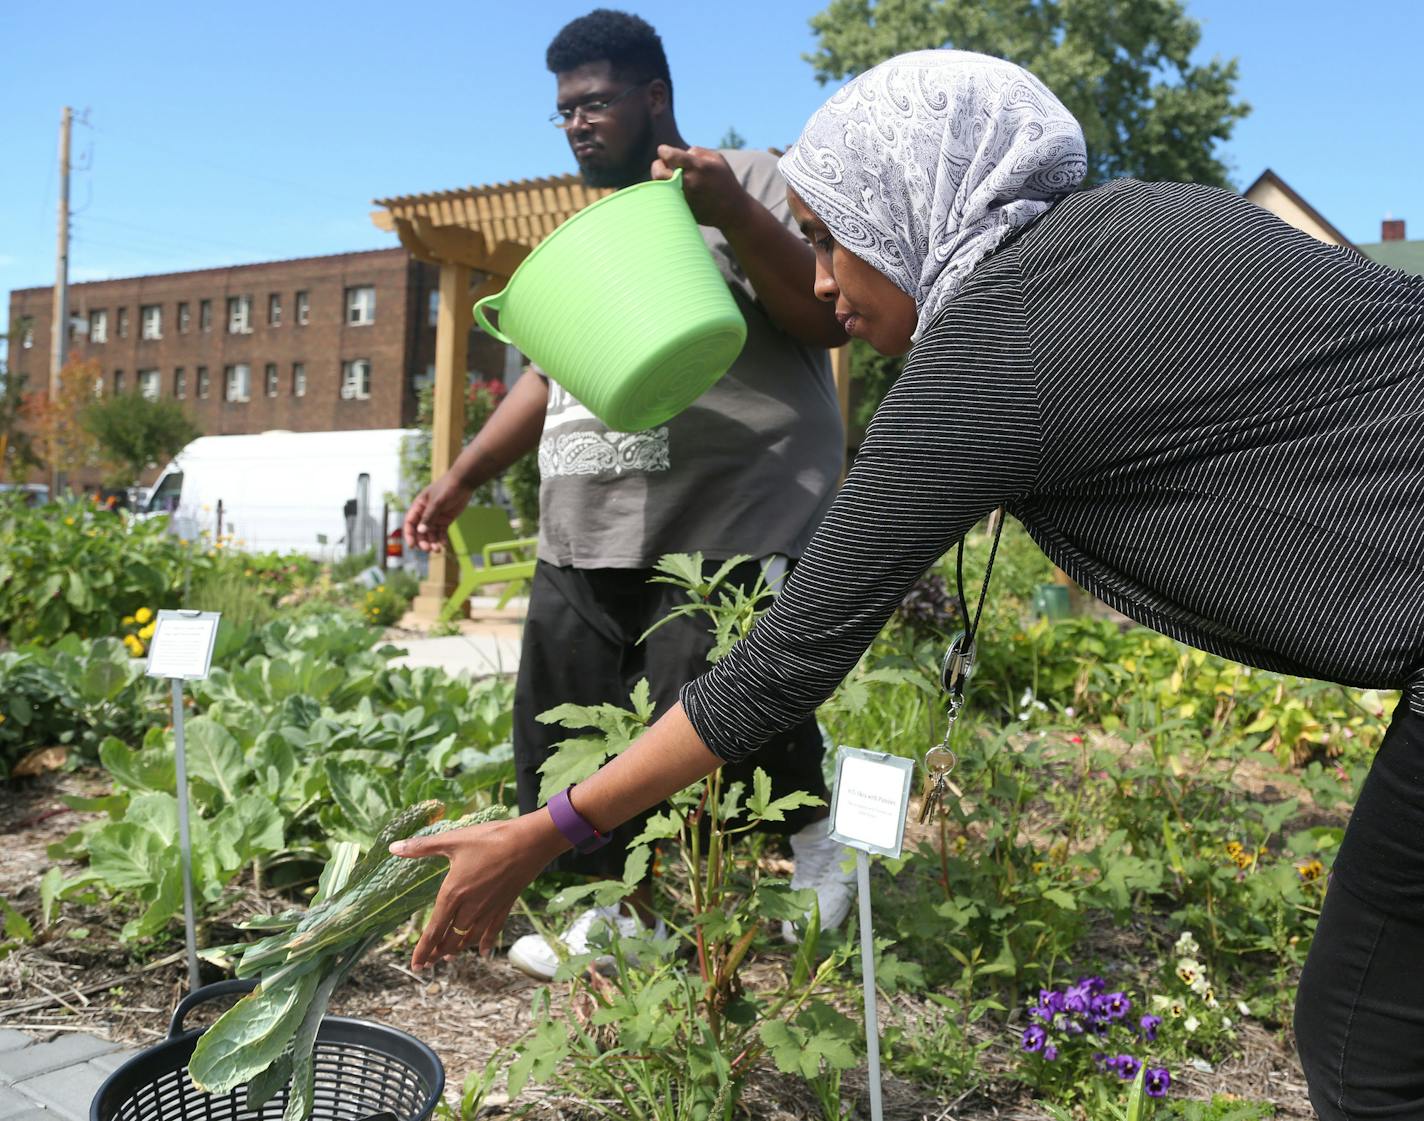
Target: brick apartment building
point(312, 344)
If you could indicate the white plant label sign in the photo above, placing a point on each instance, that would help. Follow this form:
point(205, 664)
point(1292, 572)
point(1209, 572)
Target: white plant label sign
point(182, 644)
point(870, 800)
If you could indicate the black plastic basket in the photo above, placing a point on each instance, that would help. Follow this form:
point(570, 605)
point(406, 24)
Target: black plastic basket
point(364, 1072)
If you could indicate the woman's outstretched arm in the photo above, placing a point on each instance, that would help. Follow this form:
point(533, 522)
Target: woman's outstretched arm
point(491, 864)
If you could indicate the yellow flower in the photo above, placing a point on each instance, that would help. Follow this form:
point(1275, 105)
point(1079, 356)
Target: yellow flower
point(129, 620)
point(1310, 871)
point(147, 632)
point(68, 521)
point(142, 615)
point(2, 718)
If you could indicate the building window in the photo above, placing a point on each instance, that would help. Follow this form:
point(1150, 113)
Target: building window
point(303, 308)
point(123, 322)
point(361, 305)
point(274, 310)
point(205, 315)
point(270, 379)
point(150, 321)
point(27, 332)
point(299, 379)
point(203, 385)
point(432, 311)
point(180, 383)
point(99, 386)
point(118, 382)
point(238, 382)
point(356, 380)
point(239, 315)
point(185, 320)
point(98, 326)
point(148, 384)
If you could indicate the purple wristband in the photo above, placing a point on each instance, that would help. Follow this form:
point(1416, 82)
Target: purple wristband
point(573, 825)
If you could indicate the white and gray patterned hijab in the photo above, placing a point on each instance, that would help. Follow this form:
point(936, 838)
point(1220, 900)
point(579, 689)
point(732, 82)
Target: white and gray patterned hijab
point(924, 164)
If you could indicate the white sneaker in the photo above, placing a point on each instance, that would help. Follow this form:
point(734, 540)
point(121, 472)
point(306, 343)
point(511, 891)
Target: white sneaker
point(533, 954)
point(827, 866)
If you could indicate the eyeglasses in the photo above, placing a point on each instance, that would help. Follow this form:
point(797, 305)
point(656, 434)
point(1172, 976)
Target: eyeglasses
point(592, 111)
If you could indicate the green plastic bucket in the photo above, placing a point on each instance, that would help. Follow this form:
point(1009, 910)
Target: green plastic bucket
point(624, 307)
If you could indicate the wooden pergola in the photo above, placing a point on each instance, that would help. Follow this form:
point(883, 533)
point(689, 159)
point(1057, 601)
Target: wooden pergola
point(478, 236)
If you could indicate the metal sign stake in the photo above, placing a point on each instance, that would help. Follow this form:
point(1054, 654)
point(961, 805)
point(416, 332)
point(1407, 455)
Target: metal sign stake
point(180, 650)
point(867, 970)
point(868, 804)
point(185, 841)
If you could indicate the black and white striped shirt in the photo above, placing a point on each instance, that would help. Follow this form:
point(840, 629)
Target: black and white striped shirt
point(1207, 418)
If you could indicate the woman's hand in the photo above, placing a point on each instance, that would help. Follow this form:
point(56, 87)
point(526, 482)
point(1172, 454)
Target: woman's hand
point(489, 866)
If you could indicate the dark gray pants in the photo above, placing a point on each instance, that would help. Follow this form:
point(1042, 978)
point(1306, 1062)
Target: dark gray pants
point(581, 647)
point(1359, 1015)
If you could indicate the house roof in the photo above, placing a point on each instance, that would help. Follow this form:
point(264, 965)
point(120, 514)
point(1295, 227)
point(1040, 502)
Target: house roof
point(1406, 255)
point(1268, 181)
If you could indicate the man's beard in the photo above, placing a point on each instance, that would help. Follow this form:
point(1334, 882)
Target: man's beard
point(635, 169)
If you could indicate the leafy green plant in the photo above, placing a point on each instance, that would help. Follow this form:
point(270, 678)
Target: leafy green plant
point(69, 569)
point(315, 738)
point(74, 694)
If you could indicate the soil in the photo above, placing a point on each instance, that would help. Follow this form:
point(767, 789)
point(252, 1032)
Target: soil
point(77, 976)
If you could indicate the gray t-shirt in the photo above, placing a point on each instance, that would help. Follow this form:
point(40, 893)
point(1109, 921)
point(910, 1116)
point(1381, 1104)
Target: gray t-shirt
point(749, 468)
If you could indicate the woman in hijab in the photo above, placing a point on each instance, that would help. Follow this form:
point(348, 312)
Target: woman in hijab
point(1211, 421)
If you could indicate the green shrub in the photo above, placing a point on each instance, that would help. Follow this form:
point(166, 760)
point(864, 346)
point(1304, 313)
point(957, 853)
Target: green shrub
point(67, 568)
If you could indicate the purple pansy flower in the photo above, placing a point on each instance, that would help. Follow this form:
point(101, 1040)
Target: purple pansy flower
point(1156, 1081)
point(1148, 1026)
point(1051, 1052)
point(1125, 1066)
point(1034, 1037)
point(1115, 1005)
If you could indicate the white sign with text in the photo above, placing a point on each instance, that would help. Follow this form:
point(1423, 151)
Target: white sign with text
point(182, 644)
point(870, 800)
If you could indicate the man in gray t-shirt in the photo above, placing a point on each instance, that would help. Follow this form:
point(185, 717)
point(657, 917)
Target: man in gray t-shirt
point(748, 469)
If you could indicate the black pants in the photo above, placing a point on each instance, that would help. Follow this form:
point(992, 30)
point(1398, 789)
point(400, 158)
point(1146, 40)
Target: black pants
point(581, 647)
point(1359, 1016)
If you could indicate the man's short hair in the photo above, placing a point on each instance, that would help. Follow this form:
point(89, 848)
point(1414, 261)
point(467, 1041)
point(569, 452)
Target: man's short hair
point(625, 41)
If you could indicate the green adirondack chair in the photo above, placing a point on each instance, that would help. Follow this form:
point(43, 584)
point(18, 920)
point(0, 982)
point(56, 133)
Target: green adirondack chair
point(485, 532)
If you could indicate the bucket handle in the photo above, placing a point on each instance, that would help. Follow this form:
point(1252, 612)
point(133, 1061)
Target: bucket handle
point(494, 302)
point(202, 996)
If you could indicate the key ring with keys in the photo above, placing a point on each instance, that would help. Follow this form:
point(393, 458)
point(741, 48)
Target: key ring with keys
point(955, 671)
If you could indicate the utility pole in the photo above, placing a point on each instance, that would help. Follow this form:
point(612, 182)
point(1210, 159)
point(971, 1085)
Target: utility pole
point(60, 325)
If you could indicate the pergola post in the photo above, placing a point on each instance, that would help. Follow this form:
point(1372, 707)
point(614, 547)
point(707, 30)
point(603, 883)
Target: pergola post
point(452, 344)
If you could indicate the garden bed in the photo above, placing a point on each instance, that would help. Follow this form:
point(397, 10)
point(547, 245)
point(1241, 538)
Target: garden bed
point(468, 1008)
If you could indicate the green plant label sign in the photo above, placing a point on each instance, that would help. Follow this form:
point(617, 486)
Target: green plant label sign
point(182, 644)
point(871, 796)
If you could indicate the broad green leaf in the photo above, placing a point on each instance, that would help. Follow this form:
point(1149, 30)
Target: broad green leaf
point(158, 813)
point(250, 1035)
point(16, 926)
point(572, 762)
point(167, 903)
point(366, 798)
point(127, 856)
point(215, 756)
point(50, 885)
point(149, 769)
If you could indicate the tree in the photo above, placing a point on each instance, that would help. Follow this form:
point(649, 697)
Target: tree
point(1122, 67)
point(135, 433)
point(60, 437)
point(732, 139)
point(17, 451)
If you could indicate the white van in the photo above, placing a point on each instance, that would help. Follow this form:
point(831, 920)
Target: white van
point(284, 491)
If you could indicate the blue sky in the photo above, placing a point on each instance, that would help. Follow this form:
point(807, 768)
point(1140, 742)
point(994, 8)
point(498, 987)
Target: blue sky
point(222, 134)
